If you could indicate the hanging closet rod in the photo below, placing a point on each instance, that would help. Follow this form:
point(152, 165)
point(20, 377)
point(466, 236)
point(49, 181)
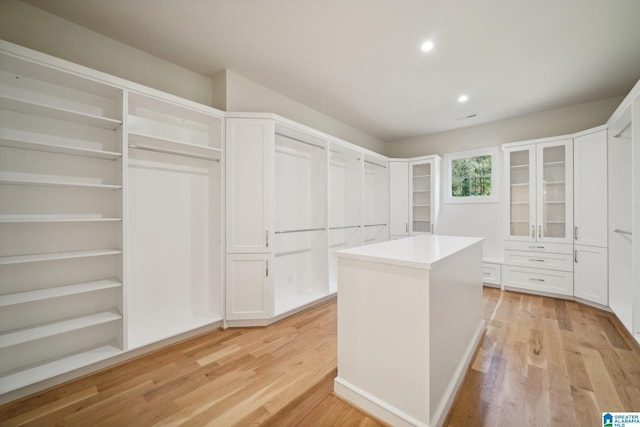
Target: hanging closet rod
point(375, 225)
point(177, 153)
point(619, 134)
point(300, 140)
point(300, 231)
point(345, 227)
point(617, 230)
point(375, 164)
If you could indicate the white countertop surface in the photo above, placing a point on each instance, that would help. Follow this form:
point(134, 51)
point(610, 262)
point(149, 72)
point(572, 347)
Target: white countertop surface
point(417, 252)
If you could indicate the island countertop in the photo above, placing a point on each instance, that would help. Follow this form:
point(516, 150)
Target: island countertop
point(418, 252)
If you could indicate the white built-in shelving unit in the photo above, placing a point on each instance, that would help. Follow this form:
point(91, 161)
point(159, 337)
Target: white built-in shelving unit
point(111, 232)
point(376, 199)
point(174, 218)
point(61, 216)
point(345, 203)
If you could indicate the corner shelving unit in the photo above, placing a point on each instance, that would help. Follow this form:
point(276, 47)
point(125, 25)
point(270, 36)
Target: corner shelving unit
point(61, 222)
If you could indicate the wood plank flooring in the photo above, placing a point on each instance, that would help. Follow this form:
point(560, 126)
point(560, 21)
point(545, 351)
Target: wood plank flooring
point(542, 362)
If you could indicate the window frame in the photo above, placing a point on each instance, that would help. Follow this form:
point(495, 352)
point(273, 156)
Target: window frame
point(494, 197)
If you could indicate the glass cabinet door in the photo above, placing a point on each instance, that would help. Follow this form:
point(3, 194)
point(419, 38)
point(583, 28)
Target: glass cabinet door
point(421, 198)
point(521, 192)
point(555, 195)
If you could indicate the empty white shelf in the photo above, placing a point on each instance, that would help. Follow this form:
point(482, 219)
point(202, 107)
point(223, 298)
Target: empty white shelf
point(26, 219)
point(16, 139)
point(21, 336)
point(54, 256)
point(51, 369)
point(40, 109)
point(59, 291)
point(140, 136)
point(58, 183)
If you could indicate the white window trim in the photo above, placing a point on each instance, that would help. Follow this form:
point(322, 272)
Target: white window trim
point(494, 152)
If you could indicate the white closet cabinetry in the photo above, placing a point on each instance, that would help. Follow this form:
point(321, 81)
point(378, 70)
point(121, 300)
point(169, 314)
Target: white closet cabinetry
point(376, 199)
point(398, 198)
point(424, 188)
point(539, 186)
point(61, 210)
point(276, 218)
point(174, 221)
point(345, 203)
point(590, 217)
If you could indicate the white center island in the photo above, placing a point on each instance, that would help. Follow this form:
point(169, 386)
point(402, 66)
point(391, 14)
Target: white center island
point(409, 321)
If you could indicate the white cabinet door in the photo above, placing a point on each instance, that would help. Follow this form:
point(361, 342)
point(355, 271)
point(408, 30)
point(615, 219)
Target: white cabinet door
point(590, 274)
point(399, 198)
point(249, 293)
point(590, 189)
point(249, 173)
point(554, 178)
point(521, 192)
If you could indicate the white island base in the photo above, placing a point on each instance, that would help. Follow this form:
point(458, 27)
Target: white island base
point(409, 322)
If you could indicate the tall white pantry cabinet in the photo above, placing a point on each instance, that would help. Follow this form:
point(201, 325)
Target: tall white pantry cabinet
point(110, 217)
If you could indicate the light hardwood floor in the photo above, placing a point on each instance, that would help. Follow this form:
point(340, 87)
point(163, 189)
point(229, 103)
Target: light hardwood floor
point(542, 362)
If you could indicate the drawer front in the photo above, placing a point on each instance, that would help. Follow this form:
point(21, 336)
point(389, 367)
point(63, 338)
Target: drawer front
point(533, 279)
point(554, 248)
point(491, 273)
point(562, 262)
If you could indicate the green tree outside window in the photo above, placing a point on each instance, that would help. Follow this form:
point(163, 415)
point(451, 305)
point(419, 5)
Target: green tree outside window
point(471, 176)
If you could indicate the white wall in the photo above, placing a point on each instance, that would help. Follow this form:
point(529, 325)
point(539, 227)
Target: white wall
point(555, 122)
point(244, 95)
point(34, 28)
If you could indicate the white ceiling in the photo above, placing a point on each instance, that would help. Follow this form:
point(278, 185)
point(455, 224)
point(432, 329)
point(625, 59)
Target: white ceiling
point(359, 61)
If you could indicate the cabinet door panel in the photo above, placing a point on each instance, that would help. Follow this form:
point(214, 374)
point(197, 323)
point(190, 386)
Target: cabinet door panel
point(521, 191)
point(399, 197)
point(591, 275)
point(248, 287)
point(249, 162)
point(590, 188)
point(554, 181)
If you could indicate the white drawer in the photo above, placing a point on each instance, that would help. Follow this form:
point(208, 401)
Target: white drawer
point(557, 248)
point(533, 279)
point(563, 262)
point(491, 273)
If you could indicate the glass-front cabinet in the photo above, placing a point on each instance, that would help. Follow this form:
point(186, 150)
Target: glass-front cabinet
point(539, 189)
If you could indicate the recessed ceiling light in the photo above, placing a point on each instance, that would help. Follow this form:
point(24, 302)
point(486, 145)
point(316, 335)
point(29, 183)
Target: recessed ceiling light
point(427, 46)
point(463, 98)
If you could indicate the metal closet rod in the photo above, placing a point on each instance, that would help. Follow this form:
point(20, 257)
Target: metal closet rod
point(300, 231)
point(375, 164)
point(344, 227)
point(617, 230)
point(300, 140)
point(177, 153)
point(375, 225)
point(619, 134)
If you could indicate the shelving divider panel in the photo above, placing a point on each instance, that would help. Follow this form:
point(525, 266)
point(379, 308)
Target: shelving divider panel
point(15, 337)
point(59, 291)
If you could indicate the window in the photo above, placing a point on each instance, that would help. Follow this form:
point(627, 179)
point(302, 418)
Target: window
point(471, 176)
